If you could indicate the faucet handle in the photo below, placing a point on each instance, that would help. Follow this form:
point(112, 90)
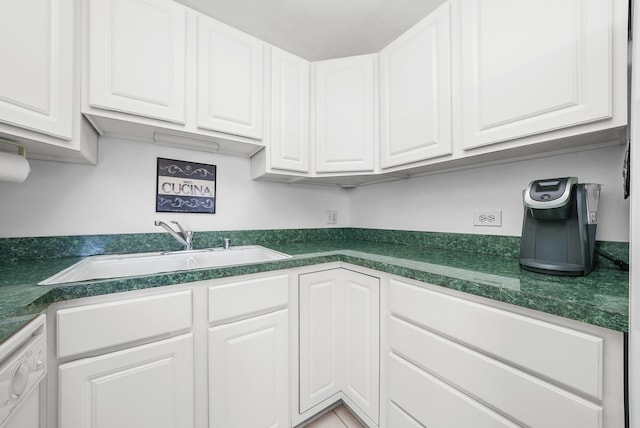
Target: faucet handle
point(184, 233)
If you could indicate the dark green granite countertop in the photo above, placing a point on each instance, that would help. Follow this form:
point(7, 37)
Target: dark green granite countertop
point(600, 298)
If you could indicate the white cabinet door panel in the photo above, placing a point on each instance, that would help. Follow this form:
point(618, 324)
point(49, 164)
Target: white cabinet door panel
point(416, 396)
point(345, 114)
point(534, 66)
point(362, 345)
point(493, 382)
point(321, 342)
point(137, 57)
point(37, 73)
point(248, 373)
point(230, 80)
point(289, 124)
point(145, 386)
point(415, 93)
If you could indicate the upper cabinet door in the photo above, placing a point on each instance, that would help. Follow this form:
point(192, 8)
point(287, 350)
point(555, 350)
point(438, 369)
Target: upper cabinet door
point(289, 108)
point(345, 114)
point(230, 80)
point(415, 93)
point(137, 57)
point(36, 76)
point(534, 66)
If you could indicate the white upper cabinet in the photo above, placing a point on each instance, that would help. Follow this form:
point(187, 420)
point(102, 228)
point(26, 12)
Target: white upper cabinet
point(534, 66)
point(346, 132)
point(288, 138)
point(415, 92)
point(39, 81)
point(230, 80)
point(36, 78)
point(137, 57)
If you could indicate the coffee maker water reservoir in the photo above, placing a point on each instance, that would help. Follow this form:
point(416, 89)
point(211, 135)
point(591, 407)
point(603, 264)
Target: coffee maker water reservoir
point(559, 226)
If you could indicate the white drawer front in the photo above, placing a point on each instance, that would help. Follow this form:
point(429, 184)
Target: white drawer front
point(571, 358)
point(238, 299)
point(527, 399)
point(105, 325)
point(416, 396)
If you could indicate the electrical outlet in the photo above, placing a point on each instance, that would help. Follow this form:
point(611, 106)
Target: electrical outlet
point(332, 217)
point(487, 218)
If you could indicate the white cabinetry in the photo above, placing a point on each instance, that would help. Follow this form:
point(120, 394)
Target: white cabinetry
point(415, 93)
point(345, 114)
point(539, 66)
point(286, 139)
point(495, 366)
point(230, 79)
point(137, 57)
point(339, 340)
point(39, 94)
point(120, 368)
point(248, 353)
point(157, 71)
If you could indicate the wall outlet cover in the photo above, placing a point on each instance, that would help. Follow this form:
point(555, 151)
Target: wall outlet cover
point(487, 218)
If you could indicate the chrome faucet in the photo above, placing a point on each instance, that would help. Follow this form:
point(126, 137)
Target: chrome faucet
point(184, 236)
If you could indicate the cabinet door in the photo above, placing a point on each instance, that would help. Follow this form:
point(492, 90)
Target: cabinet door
point(415, 93)
point(248, 372)
point(339, 338)
point(322, 310)
point(145, 386)
point(137, 57)
point(230, 80)
point(345, 114)
point(36, 77)
point(534, 66)
point(289, 124)
point(361, 346)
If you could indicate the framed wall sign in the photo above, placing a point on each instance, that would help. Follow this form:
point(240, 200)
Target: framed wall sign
point(185, 187)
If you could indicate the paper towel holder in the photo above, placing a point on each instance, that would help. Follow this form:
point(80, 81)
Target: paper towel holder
point(21, 150)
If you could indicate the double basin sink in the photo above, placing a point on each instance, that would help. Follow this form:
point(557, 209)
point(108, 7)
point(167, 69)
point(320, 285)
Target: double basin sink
point(138, 264)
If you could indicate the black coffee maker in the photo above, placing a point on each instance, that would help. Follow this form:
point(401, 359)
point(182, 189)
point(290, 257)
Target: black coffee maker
point(559, 226)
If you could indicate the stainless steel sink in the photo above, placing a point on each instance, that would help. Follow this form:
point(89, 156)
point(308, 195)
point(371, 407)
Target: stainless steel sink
point(137, 264)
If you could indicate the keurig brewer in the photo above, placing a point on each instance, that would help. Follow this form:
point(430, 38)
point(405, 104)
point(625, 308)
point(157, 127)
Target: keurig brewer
point(559, 226)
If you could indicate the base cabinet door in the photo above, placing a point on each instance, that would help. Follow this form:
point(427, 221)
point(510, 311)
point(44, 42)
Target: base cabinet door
point(339, 339)
point(146, 386)
point(248, 373)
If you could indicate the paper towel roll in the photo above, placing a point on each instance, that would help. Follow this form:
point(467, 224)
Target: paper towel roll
point(13, 168)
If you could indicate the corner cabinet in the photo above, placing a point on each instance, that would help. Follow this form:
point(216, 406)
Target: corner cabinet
point(39, 90)
point(345, 122)
point(230, 79)
point(415, 93)
point(540, 66)
point(339, 341)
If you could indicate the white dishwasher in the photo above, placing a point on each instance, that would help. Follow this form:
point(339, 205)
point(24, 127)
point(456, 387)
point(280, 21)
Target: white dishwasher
point(23, 366)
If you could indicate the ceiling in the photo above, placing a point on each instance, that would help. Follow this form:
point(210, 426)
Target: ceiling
point(320, 29)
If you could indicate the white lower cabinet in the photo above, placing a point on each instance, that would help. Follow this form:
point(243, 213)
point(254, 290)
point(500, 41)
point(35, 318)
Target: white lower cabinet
point(248, 353)
point(146, 386)
point(492, 365)
point(339, 340)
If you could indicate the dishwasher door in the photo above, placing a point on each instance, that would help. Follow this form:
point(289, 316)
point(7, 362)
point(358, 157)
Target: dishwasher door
point(23, 366)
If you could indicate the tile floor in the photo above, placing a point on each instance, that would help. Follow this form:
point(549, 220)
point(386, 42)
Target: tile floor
point(340, 417)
